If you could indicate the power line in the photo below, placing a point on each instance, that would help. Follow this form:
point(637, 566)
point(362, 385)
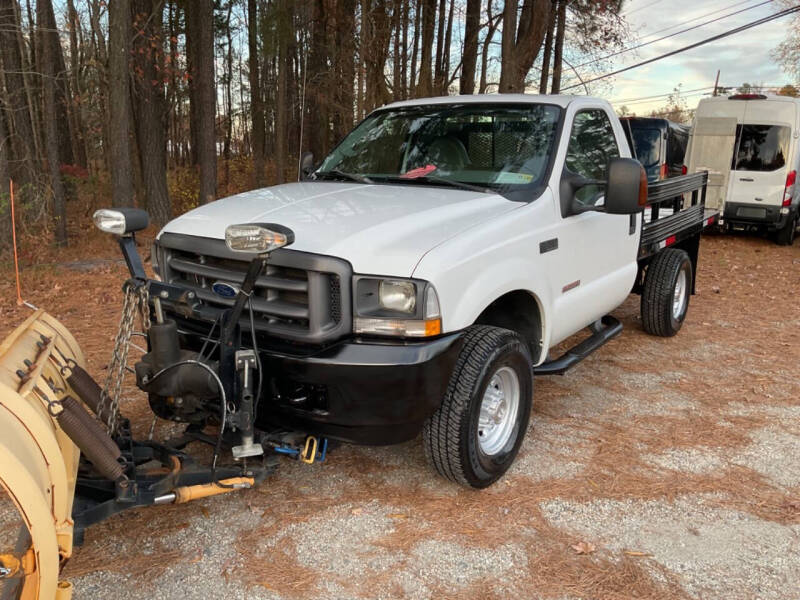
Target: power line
point(630, 12)
point(708, 14)
point(643, 44)
point(714, 38)
point(664, 95)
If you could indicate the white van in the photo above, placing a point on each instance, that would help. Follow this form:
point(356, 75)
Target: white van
point(748, 143)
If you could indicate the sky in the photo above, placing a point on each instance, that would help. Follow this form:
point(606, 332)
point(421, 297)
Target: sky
point(742, 57)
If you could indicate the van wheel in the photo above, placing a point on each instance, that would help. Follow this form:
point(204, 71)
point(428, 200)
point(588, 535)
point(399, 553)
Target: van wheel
point(785, 235)
point(474, 436)
point(667, 287)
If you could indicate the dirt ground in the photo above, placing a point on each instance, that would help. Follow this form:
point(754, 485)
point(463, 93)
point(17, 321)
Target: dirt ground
point(658, 468)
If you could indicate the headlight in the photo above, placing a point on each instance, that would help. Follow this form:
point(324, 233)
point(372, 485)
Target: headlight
point(396, 307)
point(398, 295)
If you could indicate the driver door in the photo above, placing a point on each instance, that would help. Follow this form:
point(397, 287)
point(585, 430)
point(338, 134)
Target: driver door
point(597, 250)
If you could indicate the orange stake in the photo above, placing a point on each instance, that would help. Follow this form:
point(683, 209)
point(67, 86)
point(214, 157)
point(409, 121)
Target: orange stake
point(14, 241)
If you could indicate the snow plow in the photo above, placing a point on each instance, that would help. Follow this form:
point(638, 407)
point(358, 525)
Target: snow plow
point(68, 458)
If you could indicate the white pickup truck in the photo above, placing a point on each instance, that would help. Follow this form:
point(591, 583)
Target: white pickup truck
point(438, 253)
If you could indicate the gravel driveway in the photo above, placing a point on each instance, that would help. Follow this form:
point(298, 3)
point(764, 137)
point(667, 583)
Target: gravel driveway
point(658, 468)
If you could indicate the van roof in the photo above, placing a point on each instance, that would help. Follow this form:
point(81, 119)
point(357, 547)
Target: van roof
point(732, 98)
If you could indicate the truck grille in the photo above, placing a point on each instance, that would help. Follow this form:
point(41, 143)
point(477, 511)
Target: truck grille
point(298, 297)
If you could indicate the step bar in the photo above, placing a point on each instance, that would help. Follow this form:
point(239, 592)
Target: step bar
point(604, 330)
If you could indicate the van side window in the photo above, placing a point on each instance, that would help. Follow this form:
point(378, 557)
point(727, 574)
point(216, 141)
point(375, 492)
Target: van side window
point(591, 144)
point(761, 147)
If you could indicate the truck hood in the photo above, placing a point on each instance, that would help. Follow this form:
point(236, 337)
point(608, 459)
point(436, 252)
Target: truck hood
point(380, 229)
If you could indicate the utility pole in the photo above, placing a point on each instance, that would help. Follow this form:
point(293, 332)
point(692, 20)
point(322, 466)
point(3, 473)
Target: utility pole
point(716, 83)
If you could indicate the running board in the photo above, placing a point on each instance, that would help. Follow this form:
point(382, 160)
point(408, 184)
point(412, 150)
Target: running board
point(603, 331)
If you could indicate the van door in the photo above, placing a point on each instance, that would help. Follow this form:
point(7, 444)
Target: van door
point(762, 156)
point(711, 148)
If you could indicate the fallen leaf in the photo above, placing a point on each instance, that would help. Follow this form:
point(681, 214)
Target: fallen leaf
point(584, 547)
point(398, 516)
point(356, 511)
point(205, 512)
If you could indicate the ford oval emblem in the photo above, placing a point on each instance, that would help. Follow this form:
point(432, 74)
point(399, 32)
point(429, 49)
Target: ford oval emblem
point(224, 289)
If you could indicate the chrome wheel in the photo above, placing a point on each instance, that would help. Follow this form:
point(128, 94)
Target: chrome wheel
point(499, 409)
point(679, 295)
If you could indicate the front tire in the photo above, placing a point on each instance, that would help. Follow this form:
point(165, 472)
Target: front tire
point(475, 435)
point(667, 287)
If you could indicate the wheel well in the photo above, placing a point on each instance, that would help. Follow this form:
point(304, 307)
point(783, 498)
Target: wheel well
point(517, 311)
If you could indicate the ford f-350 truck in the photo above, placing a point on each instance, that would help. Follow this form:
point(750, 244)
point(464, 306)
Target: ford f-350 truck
point(417, 279)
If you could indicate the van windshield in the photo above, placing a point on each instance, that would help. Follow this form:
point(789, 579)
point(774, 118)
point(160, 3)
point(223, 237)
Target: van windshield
point(497, 147)
point(761, 147)
point(647, 146)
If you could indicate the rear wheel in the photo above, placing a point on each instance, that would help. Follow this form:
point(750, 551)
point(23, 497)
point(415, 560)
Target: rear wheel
point(667, 287)
point(785, 235)
point(474, 436)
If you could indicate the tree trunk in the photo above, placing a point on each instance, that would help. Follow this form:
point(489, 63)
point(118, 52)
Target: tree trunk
point(281, 129)
point(397, 11)
point(412, 84)
point(548, 52)
point(448, 36)
point(49, 63)
point(559, 50)
point(119, 51)
point(425, 84)
point(508, 64)
point(150, 106)
point(50, 45)
point(24, 143)
point(201, 33)
point(318, 83)
point(191, 17)
point(226, 150)
point(346, 65)
point(437, 71)
point(531, 32)
point(472, 27)
point(256, 102)
point(406, 6)
point(75, 102)
point(494, 21)
point(5, 176)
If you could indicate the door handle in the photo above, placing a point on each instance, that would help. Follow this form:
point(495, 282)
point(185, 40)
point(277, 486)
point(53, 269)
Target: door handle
point(746, 179)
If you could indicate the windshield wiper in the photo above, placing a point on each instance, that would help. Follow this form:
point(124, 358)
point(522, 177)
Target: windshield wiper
point(449, 182)
point(334, 173)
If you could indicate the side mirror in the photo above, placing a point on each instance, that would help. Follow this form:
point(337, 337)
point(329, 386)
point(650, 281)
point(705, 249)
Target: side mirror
point(306, 166)
point(626, 187)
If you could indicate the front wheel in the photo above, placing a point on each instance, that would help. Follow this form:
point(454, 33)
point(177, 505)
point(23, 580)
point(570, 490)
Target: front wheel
point(474, 436)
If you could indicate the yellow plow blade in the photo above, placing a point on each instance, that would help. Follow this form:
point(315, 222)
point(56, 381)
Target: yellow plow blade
point(38, 462)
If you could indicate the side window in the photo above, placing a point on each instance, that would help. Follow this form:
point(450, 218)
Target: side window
point(591, 144)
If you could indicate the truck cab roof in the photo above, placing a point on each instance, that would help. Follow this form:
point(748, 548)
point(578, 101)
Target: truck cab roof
point(559, 100)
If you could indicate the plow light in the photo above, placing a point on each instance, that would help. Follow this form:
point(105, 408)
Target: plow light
point(257, 238)
point(120, 221)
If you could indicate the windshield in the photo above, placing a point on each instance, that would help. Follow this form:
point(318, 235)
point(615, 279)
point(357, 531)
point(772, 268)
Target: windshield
point(647, 146)
point(496, 147)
